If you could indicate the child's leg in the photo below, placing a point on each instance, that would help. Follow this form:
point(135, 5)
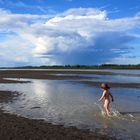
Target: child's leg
point(106, 106)
point(108, 110)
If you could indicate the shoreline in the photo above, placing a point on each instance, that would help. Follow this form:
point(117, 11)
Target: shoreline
point(13, 127)
point(112, 85)
point(22, 128)
point(53, 75)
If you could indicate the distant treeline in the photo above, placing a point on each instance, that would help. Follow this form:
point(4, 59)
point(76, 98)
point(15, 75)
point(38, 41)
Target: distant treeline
point(103, 66)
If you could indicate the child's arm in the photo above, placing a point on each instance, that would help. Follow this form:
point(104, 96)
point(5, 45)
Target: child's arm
point(103, 95)
point(111, 97)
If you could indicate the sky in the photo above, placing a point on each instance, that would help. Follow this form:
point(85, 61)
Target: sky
point(69, 32)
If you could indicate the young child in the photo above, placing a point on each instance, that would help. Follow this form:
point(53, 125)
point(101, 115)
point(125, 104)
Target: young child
point(105, 95)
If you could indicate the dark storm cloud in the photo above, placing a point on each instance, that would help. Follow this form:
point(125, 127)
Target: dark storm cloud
point(106, 46)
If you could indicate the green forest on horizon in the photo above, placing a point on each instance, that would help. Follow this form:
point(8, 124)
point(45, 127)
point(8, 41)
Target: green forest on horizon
point(103, 66)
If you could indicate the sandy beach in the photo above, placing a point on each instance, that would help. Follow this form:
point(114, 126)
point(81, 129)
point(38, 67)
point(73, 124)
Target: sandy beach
point(13, 127)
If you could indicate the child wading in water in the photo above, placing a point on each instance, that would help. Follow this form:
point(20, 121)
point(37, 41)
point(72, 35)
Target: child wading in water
point(105, 95)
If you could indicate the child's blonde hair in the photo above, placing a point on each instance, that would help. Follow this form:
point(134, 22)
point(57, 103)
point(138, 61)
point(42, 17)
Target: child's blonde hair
point(104, 86)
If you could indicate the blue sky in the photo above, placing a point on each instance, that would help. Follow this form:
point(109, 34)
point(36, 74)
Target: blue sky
point(61, 32)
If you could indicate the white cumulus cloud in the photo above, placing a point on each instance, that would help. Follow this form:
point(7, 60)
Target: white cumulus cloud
point(73, 34)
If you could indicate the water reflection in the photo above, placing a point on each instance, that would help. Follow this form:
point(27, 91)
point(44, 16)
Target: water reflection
point(117, 79)
point(61, 102)
point(41, 90)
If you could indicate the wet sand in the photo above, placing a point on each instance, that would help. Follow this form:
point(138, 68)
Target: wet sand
point(52, 75)
point(38, 74)
point(13, 127)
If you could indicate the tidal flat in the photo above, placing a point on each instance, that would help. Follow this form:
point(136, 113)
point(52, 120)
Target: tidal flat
point(62, 104)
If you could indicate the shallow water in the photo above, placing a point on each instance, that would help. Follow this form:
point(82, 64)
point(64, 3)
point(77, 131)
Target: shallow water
point(117, 78)
point(64, 102)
